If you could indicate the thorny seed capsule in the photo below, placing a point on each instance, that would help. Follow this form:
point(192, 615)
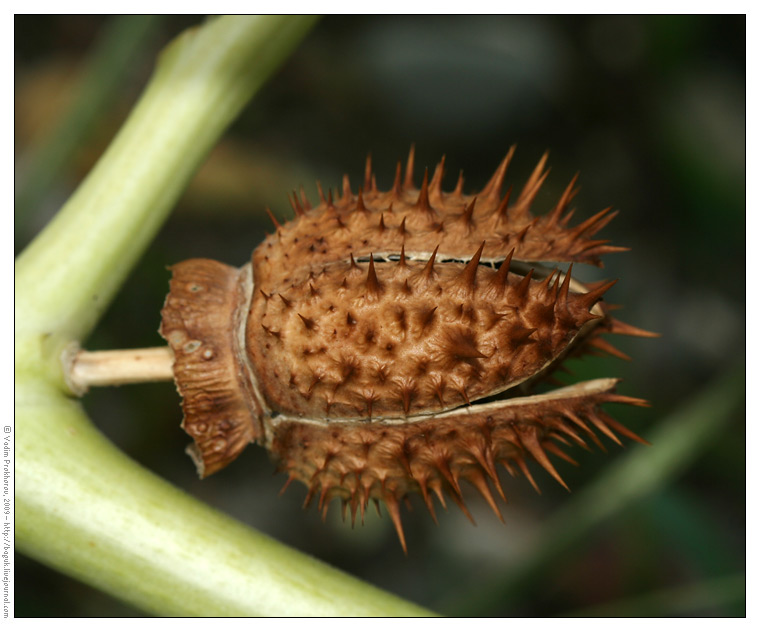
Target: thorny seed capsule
point(384, 343)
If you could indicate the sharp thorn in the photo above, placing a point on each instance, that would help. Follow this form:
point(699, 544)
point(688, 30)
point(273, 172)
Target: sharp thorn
point(565, 289)
point(531, 443)
point(321, 193)
point(467, 277)
point(502, 211)
point(492, 190)
point(428, 270)
point(304, 200)
point(391, 504)
point(567, 195)
point(409, 175)
point(480, 483)
point(534, 182)
point(373, 284)
point(360, 201)
point(368, 173)
point(397, 190)
point(469, 209)
point(603, 345)
point(459, 186)
point(500, 280)
point(347, 194)
point(435, 183)
point(273, 218)
point(291, 478)
point(526, 473)
point(423, 201)
point(554, 449)
point(619, 327)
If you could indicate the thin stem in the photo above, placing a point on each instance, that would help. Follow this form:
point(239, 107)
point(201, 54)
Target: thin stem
point(119, 366)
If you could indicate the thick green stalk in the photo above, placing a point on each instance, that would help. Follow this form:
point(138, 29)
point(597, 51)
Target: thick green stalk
point(68, 275)
point(82, 506)
point(92, 513)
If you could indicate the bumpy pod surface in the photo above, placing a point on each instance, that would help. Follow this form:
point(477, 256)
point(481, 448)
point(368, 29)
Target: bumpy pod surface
point(385, 343)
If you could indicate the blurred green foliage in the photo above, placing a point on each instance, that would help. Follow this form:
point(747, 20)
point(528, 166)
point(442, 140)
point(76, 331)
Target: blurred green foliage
point(651, 110)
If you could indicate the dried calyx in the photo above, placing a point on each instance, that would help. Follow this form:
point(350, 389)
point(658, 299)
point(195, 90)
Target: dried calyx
point(384, 343)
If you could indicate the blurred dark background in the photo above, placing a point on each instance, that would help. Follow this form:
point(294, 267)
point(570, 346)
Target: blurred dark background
point(650, 110)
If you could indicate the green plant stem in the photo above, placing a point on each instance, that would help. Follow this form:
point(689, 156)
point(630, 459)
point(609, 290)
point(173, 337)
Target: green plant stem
point(92, 513)
point(81, 505)
point(70, 272)
point(678, 440)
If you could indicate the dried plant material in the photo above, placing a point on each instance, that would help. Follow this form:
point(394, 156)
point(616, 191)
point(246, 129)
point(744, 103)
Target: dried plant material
point(385, 343)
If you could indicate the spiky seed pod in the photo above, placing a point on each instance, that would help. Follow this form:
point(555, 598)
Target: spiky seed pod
point(382, 344)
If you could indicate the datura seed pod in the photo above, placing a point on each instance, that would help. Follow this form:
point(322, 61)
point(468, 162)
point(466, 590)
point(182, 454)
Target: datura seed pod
point(385, 343)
